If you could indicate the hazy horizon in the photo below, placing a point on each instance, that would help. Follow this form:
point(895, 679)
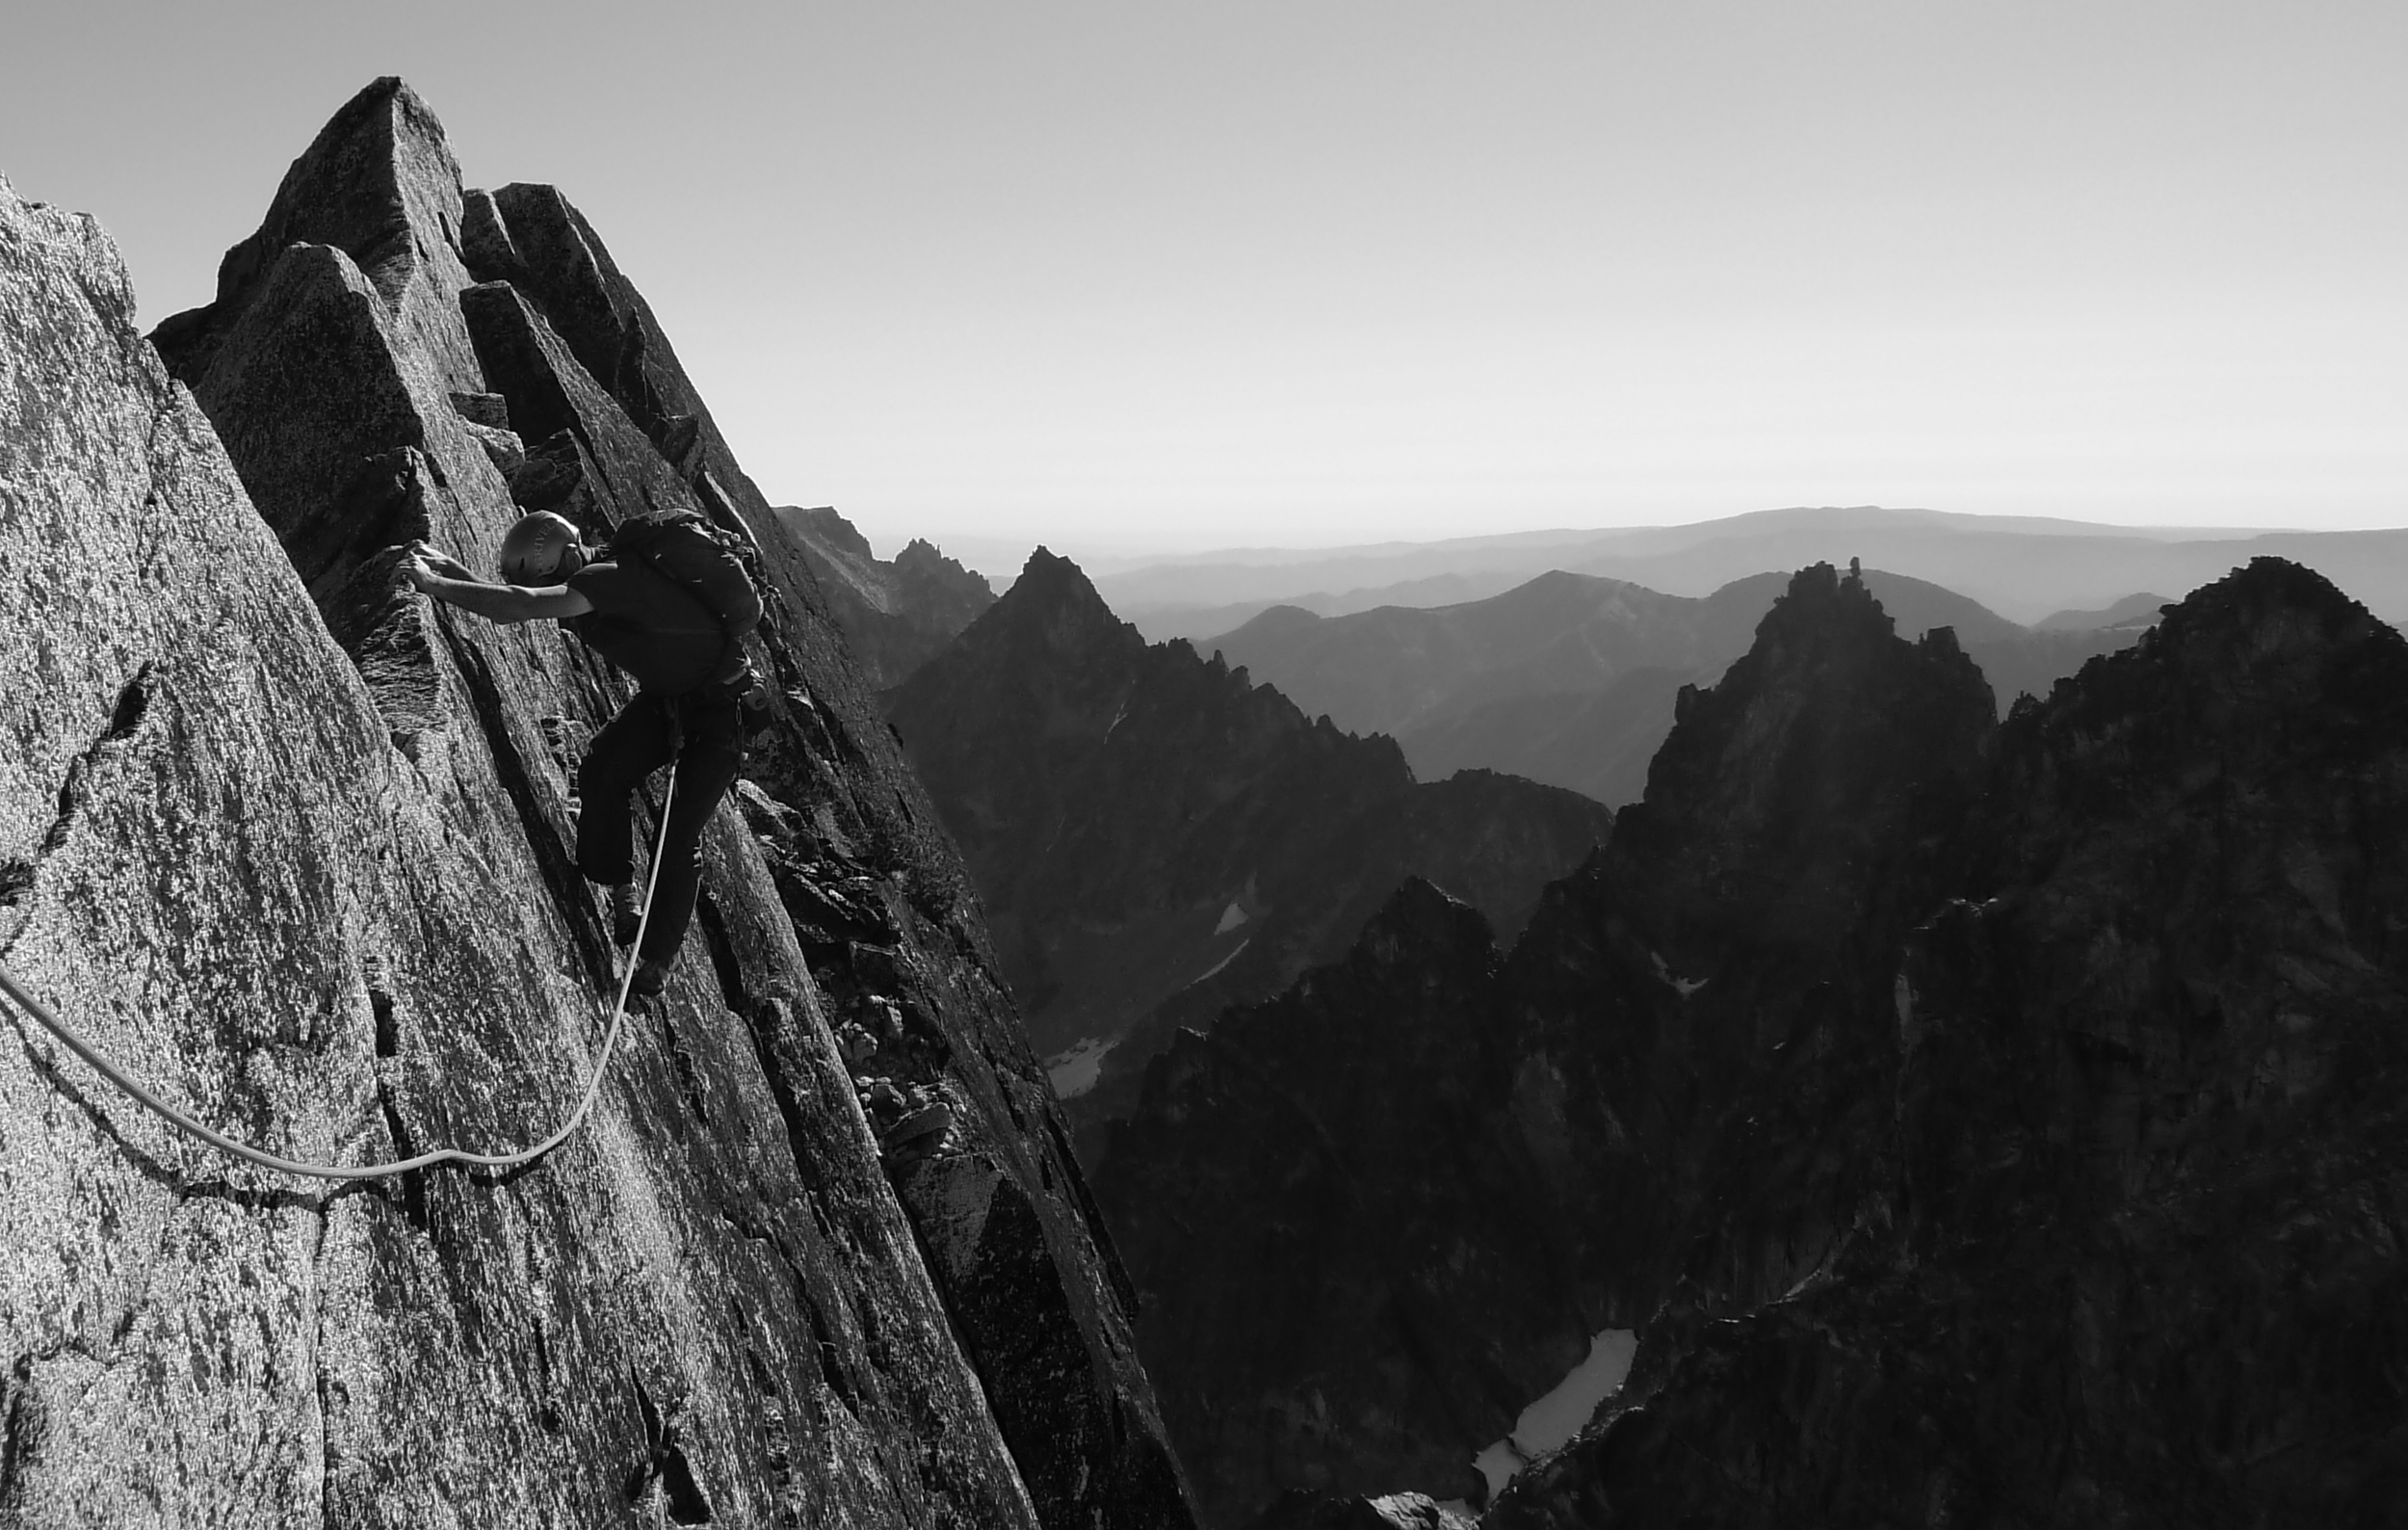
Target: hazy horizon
point(1000, 557)
point(1319, 276)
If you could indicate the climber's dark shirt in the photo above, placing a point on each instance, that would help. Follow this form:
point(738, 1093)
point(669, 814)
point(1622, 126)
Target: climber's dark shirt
point(650, 627)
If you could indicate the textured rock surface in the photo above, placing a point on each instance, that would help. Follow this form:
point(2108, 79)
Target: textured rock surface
point(381, 184)
point(896, 614)
point(1995, 1129)
point(739, 1290)
point(1557, 1139)
point(219, 863)
point(1156, 837)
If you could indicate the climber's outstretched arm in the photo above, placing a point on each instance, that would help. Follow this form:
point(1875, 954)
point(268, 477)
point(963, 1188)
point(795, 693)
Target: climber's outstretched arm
point(447, 580)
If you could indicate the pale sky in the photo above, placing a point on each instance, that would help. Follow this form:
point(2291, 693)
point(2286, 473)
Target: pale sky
point(1133, 275)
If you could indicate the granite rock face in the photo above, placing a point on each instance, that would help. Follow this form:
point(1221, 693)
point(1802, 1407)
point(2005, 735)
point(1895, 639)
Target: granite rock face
point(1156, 837)
point(878, 898)
point(381, 184)
point(1982, 1125)
point(217, 863)
point(296, 843)
point(896, 614)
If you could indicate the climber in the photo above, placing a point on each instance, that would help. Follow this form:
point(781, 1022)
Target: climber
point(670, 604)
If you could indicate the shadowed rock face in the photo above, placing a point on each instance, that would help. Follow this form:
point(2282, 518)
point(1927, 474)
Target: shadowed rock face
point(1403, 1511)
point(897, 613)
point(2001, 1129)
point(1551, 1142)
point(310, 869)
point(2137, 1265)
point(1156, 837)
point(1373, 1273)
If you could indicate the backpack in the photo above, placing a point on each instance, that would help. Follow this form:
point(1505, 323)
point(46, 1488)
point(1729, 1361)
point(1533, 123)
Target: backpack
point(684, 549)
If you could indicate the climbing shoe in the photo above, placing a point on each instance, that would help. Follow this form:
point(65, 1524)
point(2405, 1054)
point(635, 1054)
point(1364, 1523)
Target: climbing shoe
point(626, 913)
point(650, 978)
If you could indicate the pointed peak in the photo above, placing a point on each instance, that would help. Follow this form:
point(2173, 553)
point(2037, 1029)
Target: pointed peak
point(379, 184)
point(1053, 604)
point(1418, 929)
point(379, 173)
point(824, 523)
point(531, 236)
point(1043, 559)
point(389, 99)
point(2266, 596)
point(1822, 601)
point(1829, 719)
point(923, 557)
point(1419, 903)
point(2272, 647)
point(1825, 619)
point(1051, 580)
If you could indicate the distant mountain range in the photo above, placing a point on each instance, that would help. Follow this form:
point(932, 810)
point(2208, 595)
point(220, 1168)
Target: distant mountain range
point(2025, 567)
point(1980, 1124)
point(1571, 678)
point(1567, 679)
point(2141, 609)
point(1155, 837)
point(897, 615)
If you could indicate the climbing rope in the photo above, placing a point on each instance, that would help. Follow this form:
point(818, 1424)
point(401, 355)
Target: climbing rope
point(117, 1075)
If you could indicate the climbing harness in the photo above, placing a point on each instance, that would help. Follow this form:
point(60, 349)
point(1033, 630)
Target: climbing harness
point(117, 1075)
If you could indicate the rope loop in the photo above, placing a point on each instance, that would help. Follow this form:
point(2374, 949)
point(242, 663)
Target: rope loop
point(75, 1043)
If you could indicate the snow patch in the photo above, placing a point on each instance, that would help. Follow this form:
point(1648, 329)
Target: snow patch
point(1549, 1423)
point(1224, 960)
point(1075, 1072)
point(1230, 919)
point(1684, 986)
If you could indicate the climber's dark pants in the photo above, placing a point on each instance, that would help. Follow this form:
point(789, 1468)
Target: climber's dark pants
point(703, 731)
